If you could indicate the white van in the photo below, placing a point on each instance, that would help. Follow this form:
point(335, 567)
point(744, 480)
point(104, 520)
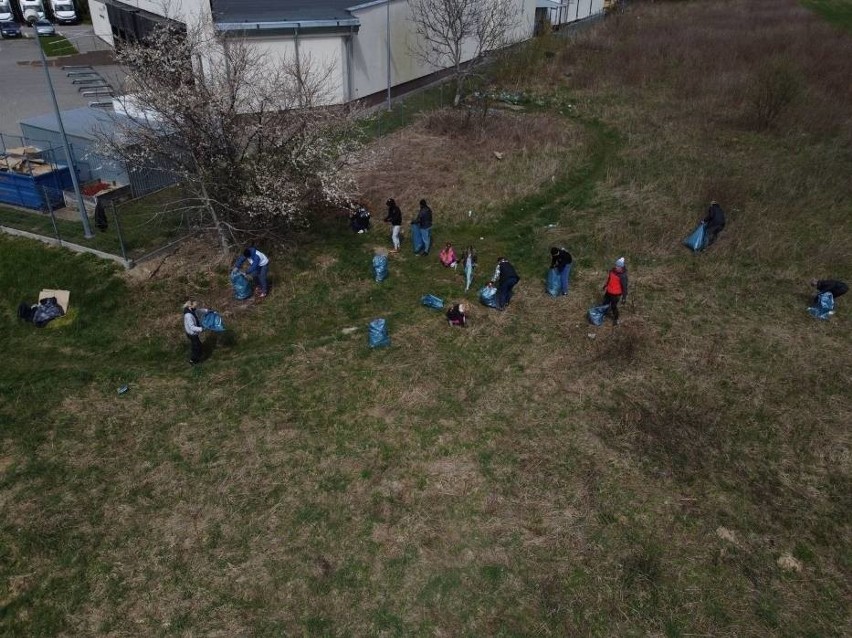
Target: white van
point(6, 11)
point(26, 5)
point(64, 12)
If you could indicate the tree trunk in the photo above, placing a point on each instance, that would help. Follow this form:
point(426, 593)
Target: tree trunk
point(220, 227)
point(459, 82)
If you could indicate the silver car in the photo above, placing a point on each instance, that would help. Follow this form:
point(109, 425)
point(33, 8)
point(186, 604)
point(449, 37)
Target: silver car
point(45, 27)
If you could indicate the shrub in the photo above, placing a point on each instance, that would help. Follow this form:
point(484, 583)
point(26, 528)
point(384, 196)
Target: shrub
point(776, 85)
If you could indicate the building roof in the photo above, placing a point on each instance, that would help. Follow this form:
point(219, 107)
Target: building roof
point(83, 122)
point(277, 11)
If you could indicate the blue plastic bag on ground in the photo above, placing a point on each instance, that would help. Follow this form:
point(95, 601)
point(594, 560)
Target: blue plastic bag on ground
point(377, 334)
point(488, 296)
point(468, 273)
point(697, 241)
point(553, 284)
point(242, 285)
point(431, 301)
point(212, 321)
point(417, 239)
point(825, 304)
point(596, 314)
point(380, 268)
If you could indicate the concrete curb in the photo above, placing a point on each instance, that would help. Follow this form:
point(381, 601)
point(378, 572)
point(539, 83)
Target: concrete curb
point(77, 248)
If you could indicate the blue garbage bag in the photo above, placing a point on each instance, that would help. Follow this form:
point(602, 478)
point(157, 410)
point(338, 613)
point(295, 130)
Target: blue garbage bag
point(468, 273)
point(825, 304)
point(431, 301)
point(377, 334)
point(596, 314)
point(242, 285)
point(488, 296)
point(554, 286)
point(380, 268)
point(212, 320)
point(697, 241)
point(417, 239)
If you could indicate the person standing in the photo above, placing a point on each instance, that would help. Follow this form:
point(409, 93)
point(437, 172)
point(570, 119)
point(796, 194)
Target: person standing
point(424, 223)
point(258, 268)
point(836, 287)
point(714, 222)
point(615, 288)
point(192, 328)
point(394, 218)
point(561, 261)
point(506, 277)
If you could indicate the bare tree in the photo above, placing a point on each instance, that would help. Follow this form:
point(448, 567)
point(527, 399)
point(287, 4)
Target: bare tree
point(253, 143)
point(451, 31)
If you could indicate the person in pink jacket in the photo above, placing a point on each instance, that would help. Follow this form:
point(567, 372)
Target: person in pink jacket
point(448, 256)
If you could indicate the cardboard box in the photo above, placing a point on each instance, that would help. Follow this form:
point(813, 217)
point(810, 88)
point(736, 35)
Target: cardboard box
point(62, 297)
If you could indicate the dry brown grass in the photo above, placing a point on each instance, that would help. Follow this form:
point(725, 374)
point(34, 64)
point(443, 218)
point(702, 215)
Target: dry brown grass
point(529, 474)
point(452, 162)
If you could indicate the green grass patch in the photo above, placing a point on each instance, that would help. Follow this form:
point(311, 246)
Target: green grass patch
point(54, 45)
point(146, 223)
point(527, 475)
point(837, 12)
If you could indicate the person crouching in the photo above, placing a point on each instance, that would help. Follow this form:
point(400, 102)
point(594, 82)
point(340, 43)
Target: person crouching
point(456, 315)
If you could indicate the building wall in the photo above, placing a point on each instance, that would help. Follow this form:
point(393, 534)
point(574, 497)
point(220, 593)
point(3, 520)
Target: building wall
point(322, 53)
point(357, 63)
point(576, 10)
point(100, 21)
point(369, 47)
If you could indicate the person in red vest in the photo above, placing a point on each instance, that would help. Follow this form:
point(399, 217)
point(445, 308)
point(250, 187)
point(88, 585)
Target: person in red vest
point(615, 288)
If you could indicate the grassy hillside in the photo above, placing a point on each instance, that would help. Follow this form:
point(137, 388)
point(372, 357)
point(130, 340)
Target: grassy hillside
point(685, 473)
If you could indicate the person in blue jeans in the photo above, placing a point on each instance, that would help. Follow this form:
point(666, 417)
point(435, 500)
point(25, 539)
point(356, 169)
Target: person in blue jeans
point(258, 268)
point(424, 223)
point(505, 277)
point(561, 261)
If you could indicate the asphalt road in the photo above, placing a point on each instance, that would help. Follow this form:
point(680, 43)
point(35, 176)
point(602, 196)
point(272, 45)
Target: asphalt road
point(23, 88)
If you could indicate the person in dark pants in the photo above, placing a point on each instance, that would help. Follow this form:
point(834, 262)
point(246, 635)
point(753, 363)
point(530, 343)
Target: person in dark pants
point(561, 260)
point(505, 277)
point(394, 218)
point(836, 287)
point(615, 288)
point(424, 222)
point(714, 222)
point(192, 328)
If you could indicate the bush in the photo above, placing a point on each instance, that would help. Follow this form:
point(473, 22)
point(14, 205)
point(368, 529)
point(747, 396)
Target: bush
point(777, 84)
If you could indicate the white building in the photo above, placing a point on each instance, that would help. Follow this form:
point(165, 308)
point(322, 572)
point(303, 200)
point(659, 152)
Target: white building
point(345, 35)
point(559, 12)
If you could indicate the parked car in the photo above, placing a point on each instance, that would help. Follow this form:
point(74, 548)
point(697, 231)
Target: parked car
point(45, 27)
point(10, 30)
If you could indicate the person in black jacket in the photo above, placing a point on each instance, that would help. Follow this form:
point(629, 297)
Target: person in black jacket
point(506, 277)
point(836, 287)
point(394, 218)
point(424, 222)
point(561, 261)
point(714, 221)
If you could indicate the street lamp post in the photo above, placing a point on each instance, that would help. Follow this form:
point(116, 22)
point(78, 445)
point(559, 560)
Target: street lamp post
point(387, 39)
point(31, 16)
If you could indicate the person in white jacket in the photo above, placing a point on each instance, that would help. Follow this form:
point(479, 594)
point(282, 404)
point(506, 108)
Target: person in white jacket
point(192, 328)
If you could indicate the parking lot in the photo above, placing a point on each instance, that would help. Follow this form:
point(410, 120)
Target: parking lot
point(23, 89)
